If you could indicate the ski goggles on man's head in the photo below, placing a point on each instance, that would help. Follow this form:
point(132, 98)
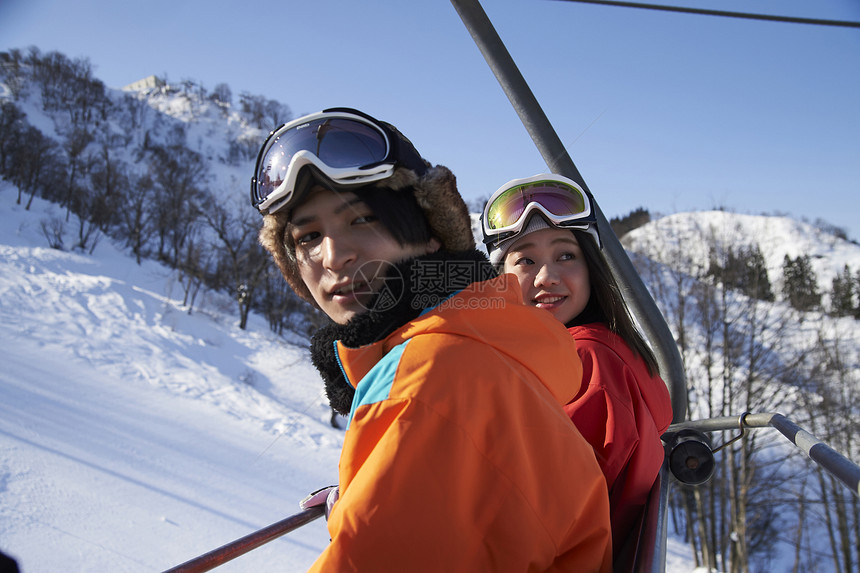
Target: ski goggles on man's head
point(561, 201)
point(345, 146)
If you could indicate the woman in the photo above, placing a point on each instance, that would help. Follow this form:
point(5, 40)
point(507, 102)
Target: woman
point(543, 230)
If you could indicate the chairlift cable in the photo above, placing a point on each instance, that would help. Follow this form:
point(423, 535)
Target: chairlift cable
point(702, 11)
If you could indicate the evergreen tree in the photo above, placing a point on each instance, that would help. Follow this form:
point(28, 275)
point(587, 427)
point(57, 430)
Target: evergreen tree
point(856, 287)
point(800, 285)
point(842, 294)
point(755, 280)
point(744, 271)
point(623, 225)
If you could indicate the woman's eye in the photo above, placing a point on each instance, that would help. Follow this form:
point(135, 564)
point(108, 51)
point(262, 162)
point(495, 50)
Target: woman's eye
point(522, 261)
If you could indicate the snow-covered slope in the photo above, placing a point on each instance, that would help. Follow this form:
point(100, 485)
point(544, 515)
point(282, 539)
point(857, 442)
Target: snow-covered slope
point(133, 435)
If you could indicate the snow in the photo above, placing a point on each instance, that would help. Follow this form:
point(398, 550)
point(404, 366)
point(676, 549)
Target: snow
point(135, 436)
point(776, 237)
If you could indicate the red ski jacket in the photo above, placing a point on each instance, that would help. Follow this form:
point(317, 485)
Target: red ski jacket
point(458, 455)
point(622, 411)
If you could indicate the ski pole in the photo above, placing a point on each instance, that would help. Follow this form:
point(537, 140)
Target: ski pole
point(234, 549)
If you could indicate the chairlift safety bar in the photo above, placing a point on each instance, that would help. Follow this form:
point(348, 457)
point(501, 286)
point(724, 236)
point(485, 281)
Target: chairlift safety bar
point(838, 465)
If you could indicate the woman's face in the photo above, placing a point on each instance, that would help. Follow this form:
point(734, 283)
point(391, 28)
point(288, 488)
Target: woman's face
point(343, 251)
point(552, 272)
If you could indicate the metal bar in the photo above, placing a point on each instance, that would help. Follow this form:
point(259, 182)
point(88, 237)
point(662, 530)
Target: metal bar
point(641, 304)
point(826, 457)
point(234, 549)
point(838, 465)
point(652, 558)
point(715, 424)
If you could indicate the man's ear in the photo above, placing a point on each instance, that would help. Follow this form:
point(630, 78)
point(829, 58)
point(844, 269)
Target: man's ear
point(433, 245)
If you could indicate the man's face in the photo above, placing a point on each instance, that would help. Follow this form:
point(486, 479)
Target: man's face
point(335, 234)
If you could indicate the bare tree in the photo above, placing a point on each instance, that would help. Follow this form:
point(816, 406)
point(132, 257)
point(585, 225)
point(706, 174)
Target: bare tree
point(222, 94)
point(277, 113)
point(135, 218)
point(53, 229)
point(12, 71)
point(254, 108)
point(178, 174)
point(830, 399)
point(242, 263)
point(78, 165)
point(13, 123)
point(193, 270)
point(32, 172)
point(729, 343)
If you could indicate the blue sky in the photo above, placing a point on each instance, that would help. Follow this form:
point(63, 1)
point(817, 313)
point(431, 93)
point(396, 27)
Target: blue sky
point(667, 111)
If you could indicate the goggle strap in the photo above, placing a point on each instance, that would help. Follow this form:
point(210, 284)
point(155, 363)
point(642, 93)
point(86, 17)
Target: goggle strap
point(402, 149)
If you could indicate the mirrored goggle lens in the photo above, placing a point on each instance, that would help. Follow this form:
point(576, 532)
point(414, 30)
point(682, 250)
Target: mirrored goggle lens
point(338, 142)
point(561, 200)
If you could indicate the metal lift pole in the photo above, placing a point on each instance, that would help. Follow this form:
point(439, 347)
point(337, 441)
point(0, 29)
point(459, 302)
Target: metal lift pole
point(638, 299)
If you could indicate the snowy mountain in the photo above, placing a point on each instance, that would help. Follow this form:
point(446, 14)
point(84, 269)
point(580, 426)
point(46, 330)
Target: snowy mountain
point(776, 237)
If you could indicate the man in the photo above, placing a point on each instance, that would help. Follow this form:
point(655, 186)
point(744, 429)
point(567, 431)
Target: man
point(458, 455)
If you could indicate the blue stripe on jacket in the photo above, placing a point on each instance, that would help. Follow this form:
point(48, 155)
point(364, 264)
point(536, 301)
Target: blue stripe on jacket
point(376, 384)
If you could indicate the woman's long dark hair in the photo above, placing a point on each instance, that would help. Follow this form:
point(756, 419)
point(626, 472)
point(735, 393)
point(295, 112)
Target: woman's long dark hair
point(607, 295)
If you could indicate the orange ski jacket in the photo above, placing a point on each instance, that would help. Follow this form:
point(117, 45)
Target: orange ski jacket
point(458, 455)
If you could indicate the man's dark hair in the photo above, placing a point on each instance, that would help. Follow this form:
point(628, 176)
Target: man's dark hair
point(399, 213)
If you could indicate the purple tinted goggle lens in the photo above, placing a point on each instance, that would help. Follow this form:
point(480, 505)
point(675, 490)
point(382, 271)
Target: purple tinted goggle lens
point(562, 203)
point(508, 207)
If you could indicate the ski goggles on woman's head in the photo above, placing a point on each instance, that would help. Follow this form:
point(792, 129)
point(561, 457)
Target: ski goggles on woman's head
point(344, 145)
point(561, 201)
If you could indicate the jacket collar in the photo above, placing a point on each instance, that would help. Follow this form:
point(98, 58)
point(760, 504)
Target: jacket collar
point(422, 282)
